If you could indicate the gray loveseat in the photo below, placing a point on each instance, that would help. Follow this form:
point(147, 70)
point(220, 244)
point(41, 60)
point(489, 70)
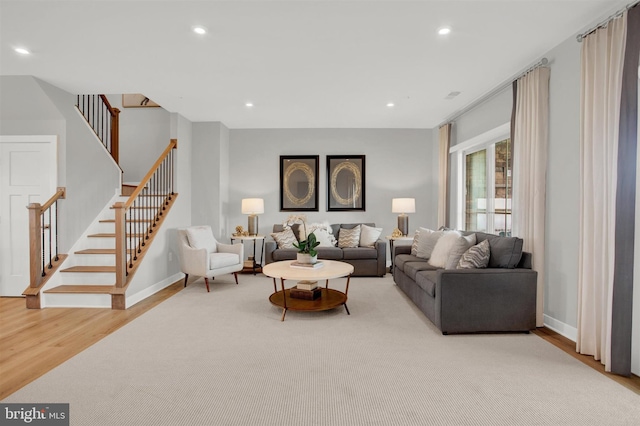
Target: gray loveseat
point(499, 298)
point(366, 261)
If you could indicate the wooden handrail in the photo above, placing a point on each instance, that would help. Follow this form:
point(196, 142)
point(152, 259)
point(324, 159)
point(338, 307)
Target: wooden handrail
point(61, 193)
point(115, 128)
point(172, 145)
point(138, 217)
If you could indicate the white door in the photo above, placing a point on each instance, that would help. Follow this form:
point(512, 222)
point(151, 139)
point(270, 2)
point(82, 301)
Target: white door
point(28, 174)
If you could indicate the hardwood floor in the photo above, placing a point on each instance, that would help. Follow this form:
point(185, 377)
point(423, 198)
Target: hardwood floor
point(34, 341)
point(569, 347)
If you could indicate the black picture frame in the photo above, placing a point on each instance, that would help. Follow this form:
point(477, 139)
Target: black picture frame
point(299, 183)
point(346, 184)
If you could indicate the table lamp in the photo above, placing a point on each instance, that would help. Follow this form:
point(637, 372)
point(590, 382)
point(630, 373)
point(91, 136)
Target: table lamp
point(403, 206)
point(253, 207)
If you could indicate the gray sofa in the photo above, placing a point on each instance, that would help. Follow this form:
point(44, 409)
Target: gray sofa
point(366, 261)
point(500, 298)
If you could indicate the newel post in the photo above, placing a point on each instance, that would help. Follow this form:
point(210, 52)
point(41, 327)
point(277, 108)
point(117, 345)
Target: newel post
point(35, 244)
point(121, 245)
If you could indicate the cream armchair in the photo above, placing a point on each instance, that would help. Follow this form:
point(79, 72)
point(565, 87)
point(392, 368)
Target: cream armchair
point(201, 255)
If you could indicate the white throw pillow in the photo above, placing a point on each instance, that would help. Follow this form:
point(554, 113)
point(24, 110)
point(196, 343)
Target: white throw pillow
point(427, 241)
point(285, 239)
point(325, 238)
point(462, 244)
point(200, 237)
point(348, 238)
point(369, 235)
point(443, 248)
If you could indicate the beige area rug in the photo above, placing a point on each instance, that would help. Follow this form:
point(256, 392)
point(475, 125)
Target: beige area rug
point(224, 358)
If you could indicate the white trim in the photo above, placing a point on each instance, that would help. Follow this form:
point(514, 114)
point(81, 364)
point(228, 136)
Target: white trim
point(561, 328)
point(486, 138)
point(148, 291)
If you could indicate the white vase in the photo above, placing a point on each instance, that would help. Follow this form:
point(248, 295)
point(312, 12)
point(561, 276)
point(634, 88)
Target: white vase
point(307, 258)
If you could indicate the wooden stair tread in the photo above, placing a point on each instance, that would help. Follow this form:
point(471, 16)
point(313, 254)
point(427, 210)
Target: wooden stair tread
point(113, 235)
point(97, 251)
point(90, 269)
point(129, 220)
point(82, 289)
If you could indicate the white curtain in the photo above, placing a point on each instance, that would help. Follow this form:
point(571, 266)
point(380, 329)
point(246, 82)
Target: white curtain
point(601, 85)
point(531, 139)
point(443, 177)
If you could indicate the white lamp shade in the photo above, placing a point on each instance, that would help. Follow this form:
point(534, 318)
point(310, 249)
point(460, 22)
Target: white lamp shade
point(403, 205)
point(252, 206)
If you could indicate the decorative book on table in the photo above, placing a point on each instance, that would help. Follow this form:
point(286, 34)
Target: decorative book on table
point(307, 265)
point(307, 285)
point(306, 294)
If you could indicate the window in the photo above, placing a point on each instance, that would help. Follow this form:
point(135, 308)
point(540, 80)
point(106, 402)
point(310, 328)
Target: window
point(484, 176)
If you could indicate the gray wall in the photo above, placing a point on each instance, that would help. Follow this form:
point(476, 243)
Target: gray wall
point(399, 163)
point(86, 169)
point(144, 134)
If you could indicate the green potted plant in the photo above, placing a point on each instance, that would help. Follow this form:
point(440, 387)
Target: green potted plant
point(307, 252)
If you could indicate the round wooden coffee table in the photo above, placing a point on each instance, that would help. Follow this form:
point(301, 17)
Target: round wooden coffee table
point(329, 299)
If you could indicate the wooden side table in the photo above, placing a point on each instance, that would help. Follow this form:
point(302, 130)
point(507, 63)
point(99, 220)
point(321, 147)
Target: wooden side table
point(254, 238)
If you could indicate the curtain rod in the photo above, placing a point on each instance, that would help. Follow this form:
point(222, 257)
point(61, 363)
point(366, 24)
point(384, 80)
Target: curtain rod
point(603, 24)
point(542, 62)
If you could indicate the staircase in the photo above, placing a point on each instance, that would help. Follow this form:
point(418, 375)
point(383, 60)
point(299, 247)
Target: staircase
point(88, 275)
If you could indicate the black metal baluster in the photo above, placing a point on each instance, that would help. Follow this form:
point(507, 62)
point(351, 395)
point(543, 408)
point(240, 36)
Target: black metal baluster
point(42, 247)
point(50, 244)
point(56, 204)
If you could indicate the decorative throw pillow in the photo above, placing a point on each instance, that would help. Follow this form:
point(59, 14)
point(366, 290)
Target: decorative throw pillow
point(325, 237)
point(369, 235)
point(200, 237)
point(462, 244)
point(414, 245)
point(427, 241)
point(349, 237)
point(285, 239)
point(476, 257)
point(443, 247)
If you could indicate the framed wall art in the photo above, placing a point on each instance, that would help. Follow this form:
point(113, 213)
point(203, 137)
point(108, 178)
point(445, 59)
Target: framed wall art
point(345, 182)
point(299, 183)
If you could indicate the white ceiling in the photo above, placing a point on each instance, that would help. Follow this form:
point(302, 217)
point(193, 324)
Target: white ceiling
point(315, 64)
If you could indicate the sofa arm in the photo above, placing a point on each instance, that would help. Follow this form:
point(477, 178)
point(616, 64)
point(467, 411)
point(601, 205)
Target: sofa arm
point(269, 248)
point(381, 247)
point(484, 300)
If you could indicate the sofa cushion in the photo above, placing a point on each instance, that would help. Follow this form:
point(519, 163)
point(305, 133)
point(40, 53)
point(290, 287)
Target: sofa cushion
point(505, 251)
point(285, 254)
point(426, 280)
point(369, 235)
point(412, 268)
point(401, 259)
point(221, 260)
point(329, 253)
point(360, 253)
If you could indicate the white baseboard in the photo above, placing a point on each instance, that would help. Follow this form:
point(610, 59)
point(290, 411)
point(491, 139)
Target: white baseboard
point(559, 327)
point(148, 291)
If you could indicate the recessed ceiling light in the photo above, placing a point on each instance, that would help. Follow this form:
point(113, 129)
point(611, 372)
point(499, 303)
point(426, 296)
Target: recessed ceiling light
point(22, 51)
point(444, 30)
point(452, 95)
point(249, 104)
point(390, 104)
point(200, 30)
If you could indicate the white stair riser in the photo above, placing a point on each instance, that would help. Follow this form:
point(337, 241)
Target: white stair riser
point(73, 300)
point(107, 242)
point(94, 260)
point(88, 278)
